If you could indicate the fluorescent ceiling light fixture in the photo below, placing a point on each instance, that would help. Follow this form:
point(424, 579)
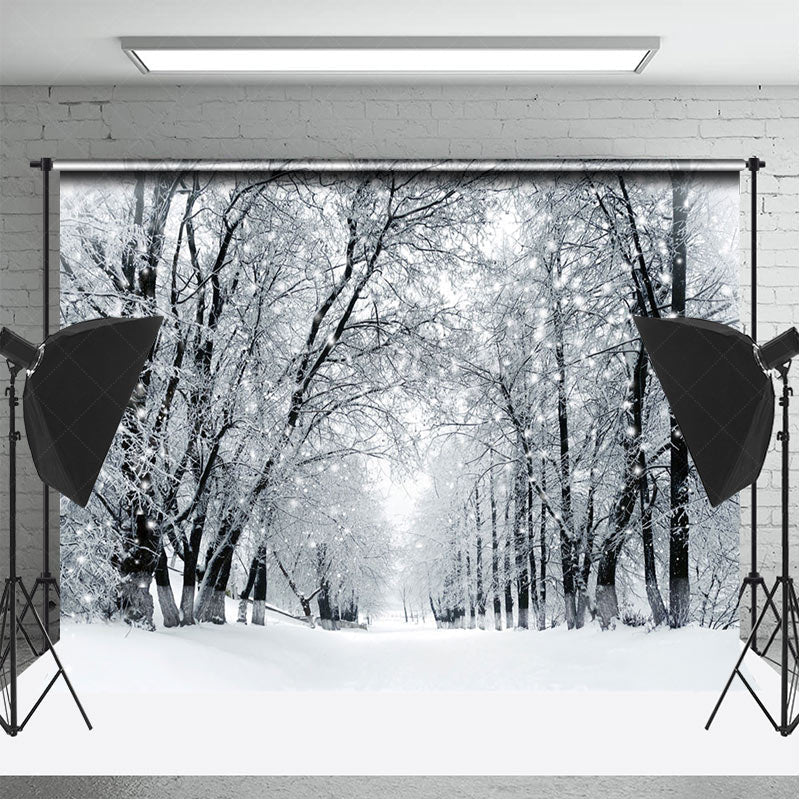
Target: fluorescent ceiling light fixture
point(355, 54)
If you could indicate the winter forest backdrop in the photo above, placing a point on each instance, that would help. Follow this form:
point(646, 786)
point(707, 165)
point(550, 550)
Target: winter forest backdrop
point(393, 393)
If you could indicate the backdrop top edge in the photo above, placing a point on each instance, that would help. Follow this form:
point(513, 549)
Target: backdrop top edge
point(402, 165)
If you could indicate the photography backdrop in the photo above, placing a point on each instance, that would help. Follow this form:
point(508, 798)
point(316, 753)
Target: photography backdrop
point(416, 395)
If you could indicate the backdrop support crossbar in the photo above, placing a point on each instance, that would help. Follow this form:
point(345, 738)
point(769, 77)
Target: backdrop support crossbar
point(404, 165)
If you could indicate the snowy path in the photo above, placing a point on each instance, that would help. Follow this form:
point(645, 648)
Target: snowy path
point(398, 699)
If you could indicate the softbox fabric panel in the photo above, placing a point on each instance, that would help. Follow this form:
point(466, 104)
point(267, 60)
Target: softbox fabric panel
point(366, 373)
point(76, 395)
point(723, 401)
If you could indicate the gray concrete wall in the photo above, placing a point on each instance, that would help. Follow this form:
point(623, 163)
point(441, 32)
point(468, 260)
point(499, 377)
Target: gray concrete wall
point(375, 121)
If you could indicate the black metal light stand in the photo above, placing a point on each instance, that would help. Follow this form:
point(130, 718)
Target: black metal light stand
point(46, 582)
point(754, 580)
point(787, 620)
point(11, 623)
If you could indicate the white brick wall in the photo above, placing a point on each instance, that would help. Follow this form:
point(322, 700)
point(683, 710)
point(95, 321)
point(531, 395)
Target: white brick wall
point(403, 122)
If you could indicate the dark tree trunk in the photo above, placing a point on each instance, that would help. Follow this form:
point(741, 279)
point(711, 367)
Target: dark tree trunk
point(211, 598)
point(470, 598)
point(191, 552)
point(497, 603)
point(459, 606)
point(480, 595)
point(136, 573)
point(165, 598)
point(520, 549)
point(532, 553)
point(324, 604)
point(646, 513)
point(541, 606)
point(257, 583)
point(245, 593)
point(217, 605)
point(568, 545)
point(349, 610)
point(606, 600)
point(435, 612)
point(679, 456)
point(260, 588)
point(588, 546)
point(207, 575)
point(654, 598)
point(508, 596)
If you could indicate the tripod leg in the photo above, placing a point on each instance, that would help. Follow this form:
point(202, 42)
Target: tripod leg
point(755, 584)
point(793, 643)
point(41, 697)
point(5, 651)
point(4, 607)
point(748, 644)
point(771, 603)
point(795, 674)
point(4, 689)
point(758, 700)
point(26, 636)
point(742, 590)
point(21, 621)
point(60, 666)
point(45, 584)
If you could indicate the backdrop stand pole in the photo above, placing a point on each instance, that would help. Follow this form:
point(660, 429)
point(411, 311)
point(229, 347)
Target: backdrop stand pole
point(789, 637)
point(754, 580)
point(46, 581)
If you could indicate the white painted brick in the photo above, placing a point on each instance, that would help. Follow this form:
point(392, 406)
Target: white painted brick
point(400, 129)
point(348, 109)
point(80, 111)
point(412, 109)
point(610, 109)
point(23, 94)
point(480, 129)
point(22, 129)
point(375, 109)
point(732, 128)
point(77, 94)
point(68, 129)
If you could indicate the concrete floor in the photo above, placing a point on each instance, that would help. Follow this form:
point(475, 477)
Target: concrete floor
point(401, 787)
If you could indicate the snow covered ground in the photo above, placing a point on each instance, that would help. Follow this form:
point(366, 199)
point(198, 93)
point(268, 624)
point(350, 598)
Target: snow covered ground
point(398, 699)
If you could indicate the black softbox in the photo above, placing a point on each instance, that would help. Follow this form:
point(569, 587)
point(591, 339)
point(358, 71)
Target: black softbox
point(720, 394)
point(76, 393)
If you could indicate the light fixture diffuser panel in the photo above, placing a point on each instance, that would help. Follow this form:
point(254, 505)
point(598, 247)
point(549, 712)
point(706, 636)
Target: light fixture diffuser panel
point(362, 55)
